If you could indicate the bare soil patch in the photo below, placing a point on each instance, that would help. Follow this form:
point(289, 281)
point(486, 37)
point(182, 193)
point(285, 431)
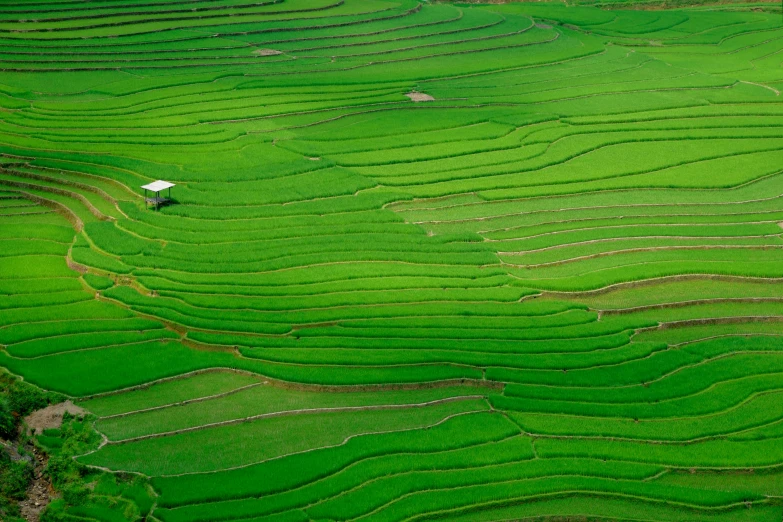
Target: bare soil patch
point(419, 96)
point(267, 52)
point(51, 416)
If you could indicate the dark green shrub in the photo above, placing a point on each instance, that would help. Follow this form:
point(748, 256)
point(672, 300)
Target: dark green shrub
point(24, 399)
point(8, 422)
point(15, 476)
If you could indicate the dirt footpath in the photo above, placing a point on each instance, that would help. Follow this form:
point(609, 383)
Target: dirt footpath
point(40, 492)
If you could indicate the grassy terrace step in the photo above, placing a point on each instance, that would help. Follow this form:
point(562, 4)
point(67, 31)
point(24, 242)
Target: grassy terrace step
point(485, 453)
point(314, 430)
point(168, 393)
point(466, 262)
point(263, 400)
point(259, 479)
point(587, 505)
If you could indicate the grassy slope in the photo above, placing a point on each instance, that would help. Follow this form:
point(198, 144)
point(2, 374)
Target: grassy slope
point(552, 288)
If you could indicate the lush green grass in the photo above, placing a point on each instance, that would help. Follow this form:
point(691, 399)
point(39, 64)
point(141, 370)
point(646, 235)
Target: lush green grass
point(543, 293)
point(169, 393)
point(258, 401)
point(215, 448)
point(366, 451)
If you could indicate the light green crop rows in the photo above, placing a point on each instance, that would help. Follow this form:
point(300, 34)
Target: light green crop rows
point(466, 262)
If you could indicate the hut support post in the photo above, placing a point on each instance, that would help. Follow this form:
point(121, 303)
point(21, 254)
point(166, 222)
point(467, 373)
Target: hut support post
point(152, 193)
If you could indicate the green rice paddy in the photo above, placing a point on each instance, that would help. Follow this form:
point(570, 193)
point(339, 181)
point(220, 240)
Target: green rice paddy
point(424, 260)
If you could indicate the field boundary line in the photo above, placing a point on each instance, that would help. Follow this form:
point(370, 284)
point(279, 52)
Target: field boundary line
point(67, 182)
point(59, 208)
point(444, 383)
point(227, 35)
point(182, 403)
point(691, 302)
point(515, 500)
point(438, 513)
point(777, 92)
point(655, 280)
point(609, 217)
point(302, 411)
point(94, 348)
point(406, 452)
point(338, 3)
point(640, 225)
point(62, 192)
point(91, 332)
point(568, 196)
point(702, 339)
point(637, 250)
point(652, 420)
point(346, 440)
point(121, 13)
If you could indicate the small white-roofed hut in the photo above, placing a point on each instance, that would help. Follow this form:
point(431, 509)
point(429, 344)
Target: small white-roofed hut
point(156, 187)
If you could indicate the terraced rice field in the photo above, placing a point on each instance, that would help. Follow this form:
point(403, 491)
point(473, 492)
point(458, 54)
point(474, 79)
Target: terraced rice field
point(551, 288)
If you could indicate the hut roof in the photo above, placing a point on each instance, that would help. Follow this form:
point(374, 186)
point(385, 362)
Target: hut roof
point(157, 186)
